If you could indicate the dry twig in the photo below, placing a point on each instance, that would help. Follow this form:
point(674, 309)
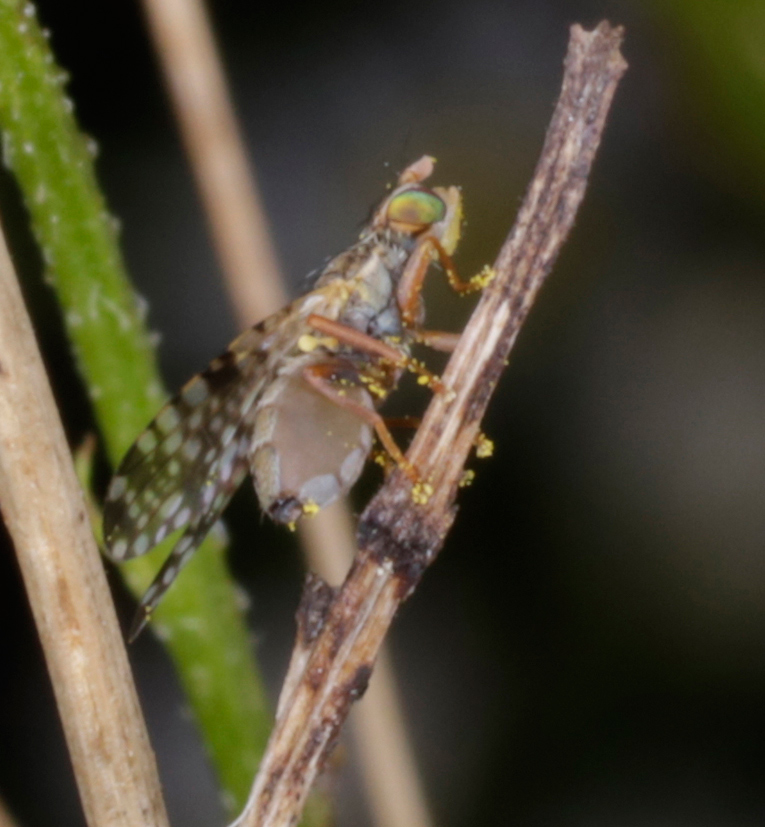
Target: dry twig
point(185, 44)
point(340, 632)
point(6, 819)
point(46, 516)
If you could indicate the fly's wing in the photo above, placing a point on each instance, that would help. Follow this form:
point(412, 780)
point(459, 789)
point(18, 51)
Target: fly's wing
point(185, 467)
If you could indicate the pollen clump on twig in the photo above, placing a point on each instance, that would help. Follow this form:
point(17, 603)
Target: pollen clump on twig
point(484, 447)
point(481, 280)
point(421, 493)
point(467, 478)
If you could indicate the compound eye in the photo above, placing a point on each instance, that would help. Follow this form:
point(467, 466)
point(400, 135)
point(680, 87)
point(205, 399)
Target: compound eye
point(414, 210)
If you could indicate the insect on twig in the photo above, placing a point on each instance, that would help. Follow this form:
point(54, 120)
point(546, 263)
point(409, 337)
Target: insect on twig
point(294, 399)
point(340, 631)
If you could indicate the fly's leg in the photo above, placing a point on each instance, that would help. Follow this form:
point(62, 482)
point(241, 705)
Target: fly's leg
point(323, 378)
point(368, 344)
point(438, 340)
point(410, 285)
point(379, 455)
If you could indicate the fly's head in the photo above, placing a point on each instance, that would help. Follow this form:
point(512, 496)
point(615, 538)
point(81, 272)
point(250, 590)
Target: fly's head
point(413, 210)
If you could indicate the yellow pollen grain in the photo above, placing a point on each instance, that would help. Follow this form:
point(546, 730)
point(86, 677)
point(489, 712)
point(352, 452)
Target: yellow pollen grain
point(292, 526)
point(310, 508)
point(423, 380)
point(307, 343)
point(484, 447)
point(467, 478)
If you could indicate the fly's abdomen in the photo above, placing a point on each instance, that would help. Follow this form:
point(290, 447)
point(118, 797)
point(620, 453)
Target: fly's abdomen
point(306, 450)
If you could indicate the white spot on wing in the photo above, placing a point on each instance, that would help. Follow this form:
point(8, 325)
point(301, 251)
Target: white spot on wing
point(168, 419)
point(119, 549)
point(147, 442)
point(182, 517)
point(191, 449)
point(172, 443)
point(117, 488)
point(195, 392)
point(140, 545)
point(171, 506)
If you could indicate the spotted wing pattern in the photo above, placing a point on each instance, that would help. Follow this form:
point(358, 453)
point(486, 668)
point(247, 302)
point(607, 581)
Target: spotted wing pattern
point(184, 468)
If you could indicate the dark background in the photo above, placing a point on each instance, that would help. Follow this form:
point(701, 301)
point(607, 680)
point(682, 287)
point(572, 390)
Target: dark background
point(590, 646)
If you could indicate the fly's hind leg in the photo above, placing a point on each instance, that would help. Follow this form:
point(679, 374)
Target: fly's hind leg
point(379, 455)
point(324, 379)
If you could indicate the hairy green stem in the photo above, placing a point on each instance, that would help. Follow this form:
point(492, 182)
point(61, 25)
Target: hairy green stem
point(53, 164)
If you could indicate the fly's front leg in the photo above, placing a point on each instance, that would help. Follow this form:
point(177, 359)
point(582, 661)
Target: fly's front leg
point(368, 344)
point(325, 378)
point(410, 285)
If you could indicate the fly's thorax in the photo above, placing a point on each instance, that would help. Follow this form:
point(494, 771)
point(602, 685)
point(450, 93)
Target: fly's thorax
point(372, 307)
point(306, 451)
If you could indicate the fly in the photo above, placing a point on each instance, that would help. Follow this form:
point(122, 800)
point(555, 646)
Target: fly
point(294, 399)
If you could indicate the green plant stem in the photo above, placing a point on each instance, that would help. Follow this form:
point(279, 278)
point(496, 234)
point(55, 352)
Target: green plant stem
point(53, 164)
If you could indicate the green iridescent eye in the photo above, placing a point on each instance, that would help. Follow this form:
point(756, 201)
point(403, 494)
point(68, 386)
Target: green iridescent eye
point(416, 208)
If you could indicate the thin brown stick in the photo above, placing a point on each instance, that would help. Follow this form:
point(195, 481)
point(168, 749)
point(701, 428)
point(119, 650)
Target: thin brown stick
point(47, 518)
point(399, 538)
point(196, 80)
point(6, 819)
point(209, 128)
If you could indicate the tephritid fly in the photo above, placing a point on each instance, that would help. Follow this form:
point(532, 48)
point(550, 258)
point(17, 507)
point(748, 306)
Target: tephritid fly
point(293, 400)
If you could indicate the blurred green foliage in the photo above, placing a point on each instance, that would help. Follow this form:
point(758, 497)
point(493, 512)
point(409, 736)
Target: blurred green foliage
point(718, 52)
